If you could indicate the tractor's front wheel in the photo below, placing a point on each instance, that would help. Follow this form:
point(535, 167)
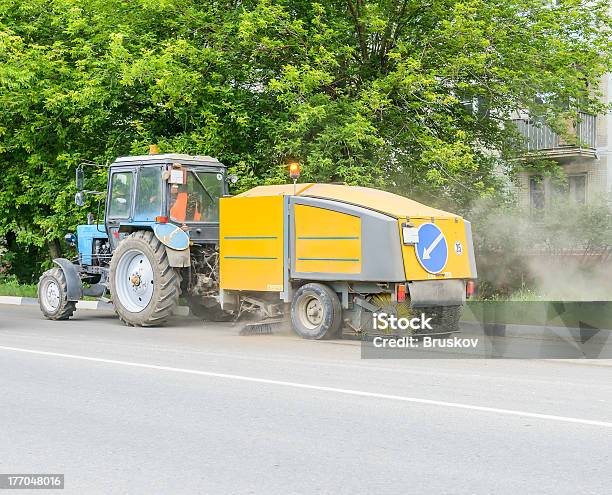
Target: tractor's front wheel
point(53, 295)
point(144, 287)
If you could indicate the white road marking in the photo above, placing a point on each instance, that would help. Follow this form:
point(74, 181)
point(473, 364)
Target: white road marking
point(427, 251)
point(345, 391)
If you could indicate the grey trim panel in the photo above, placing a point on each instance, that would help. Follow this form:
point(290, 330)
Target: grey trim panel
point(437, 293)
point(74, 286)
point(204, 233)
point(470, 247)
point(286, 294)
point(381, 249)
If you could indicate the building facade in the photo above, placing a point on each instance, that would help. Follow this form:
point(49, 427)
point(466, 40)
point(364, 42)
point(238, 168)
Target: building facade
point(585, 157)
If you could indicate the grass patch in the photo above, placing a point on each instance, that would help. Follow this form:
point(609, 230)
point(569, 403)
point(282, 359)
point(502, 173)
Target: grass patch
point(522, 294)
point(10, 287)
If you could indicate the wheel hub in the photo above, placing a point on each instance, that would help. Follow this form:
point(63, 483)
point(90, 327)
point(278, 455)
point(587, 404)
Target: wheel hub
point(134, 281)
point(311, 312)
point(314, 311)
point(52, 295)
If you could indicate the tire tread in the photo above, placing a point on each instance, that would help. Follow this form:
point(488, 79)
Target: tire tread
point(167, 288)
point(67, 308)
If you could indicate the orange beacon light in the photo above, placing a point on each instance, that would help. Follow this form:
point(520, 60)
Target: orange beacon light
point(294, 170)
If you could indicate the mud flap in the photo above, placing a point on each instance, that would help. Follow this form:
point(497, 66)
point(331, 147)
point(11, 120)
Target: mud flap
point(437, 293)
point(178, 259)
point(74, 286)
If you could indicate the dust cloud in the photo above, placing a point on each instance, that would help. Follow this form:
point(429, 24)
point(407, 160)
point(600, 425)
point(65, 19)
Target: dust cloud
point(563, 252)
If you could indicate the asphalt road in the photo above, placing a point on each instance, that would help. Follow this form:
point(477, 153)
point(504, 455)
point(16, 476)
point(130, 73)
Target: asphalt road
point(196, 408)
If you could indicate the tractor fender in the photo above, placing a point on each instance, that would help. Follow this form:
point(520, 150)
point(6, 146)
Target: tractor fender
point(74, 286)
point(176, 242)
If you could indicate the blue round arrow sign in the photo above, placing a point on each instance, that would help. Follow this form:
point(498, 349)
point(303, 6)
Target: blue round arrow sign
point(432, 250)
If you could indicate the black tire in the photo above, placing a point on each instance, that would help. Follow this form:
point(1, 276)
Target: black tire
point(165, 281)
point(208, 312)
point(316, 312)
point(53, 295)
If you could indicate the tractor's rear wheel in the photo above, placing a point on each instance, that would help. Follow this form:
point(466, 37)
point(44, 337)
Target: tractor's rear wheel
point(53, 295)
point(144, 287)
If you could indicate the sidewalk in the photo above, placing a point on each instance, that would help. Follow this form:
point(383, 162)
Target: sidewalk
point(91, 305)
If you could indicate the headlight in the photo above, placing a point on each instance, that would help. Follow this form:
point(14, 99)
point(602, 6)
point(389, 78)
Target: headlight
point(70, 239)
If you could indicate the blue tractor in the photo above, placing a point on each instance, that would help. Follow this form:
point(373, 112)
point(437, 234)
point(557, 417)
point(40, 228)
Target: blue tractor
point(159, 239)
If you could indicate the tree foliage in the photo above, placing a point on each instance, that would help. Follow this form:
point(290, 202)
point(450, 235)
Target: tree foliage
point(405, 95)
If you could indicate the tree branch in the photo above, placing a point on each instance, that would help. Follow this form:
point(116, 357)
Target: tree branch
point(355, 10)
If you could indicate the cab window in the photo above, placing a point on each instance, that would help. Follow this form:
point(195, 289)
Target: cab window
point(148, 195)
point(121, 195)
point(198, 199)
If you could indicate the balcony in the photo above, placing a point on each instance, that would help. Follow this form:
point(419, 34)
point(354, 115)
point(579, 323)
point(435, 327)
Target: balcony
point(542, 140)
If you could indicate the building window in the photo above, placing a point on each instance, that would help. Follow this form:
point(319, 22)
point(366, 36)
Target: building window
point(536, 193)
point(577, 188)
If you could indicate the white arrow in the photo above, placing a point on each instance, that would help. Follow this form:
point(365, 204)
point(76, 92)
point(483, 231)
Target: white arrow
point(427, 251)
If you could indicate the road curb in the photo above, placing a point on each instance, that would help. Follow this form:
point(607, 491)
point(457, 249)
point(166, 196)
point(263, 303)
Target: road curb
point(18, 300)
point(90, 305)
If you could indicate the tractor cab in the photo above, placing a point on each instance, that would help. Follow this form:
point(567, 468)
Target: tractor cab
point(165, 188)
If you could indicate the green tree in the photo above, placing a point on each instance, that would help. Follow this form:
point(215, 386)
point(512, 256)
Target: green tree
point(399, 94)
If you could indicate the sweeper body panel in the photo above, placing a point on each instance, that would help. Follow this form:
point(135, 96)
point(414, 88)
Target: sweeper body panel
point(375, 251)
